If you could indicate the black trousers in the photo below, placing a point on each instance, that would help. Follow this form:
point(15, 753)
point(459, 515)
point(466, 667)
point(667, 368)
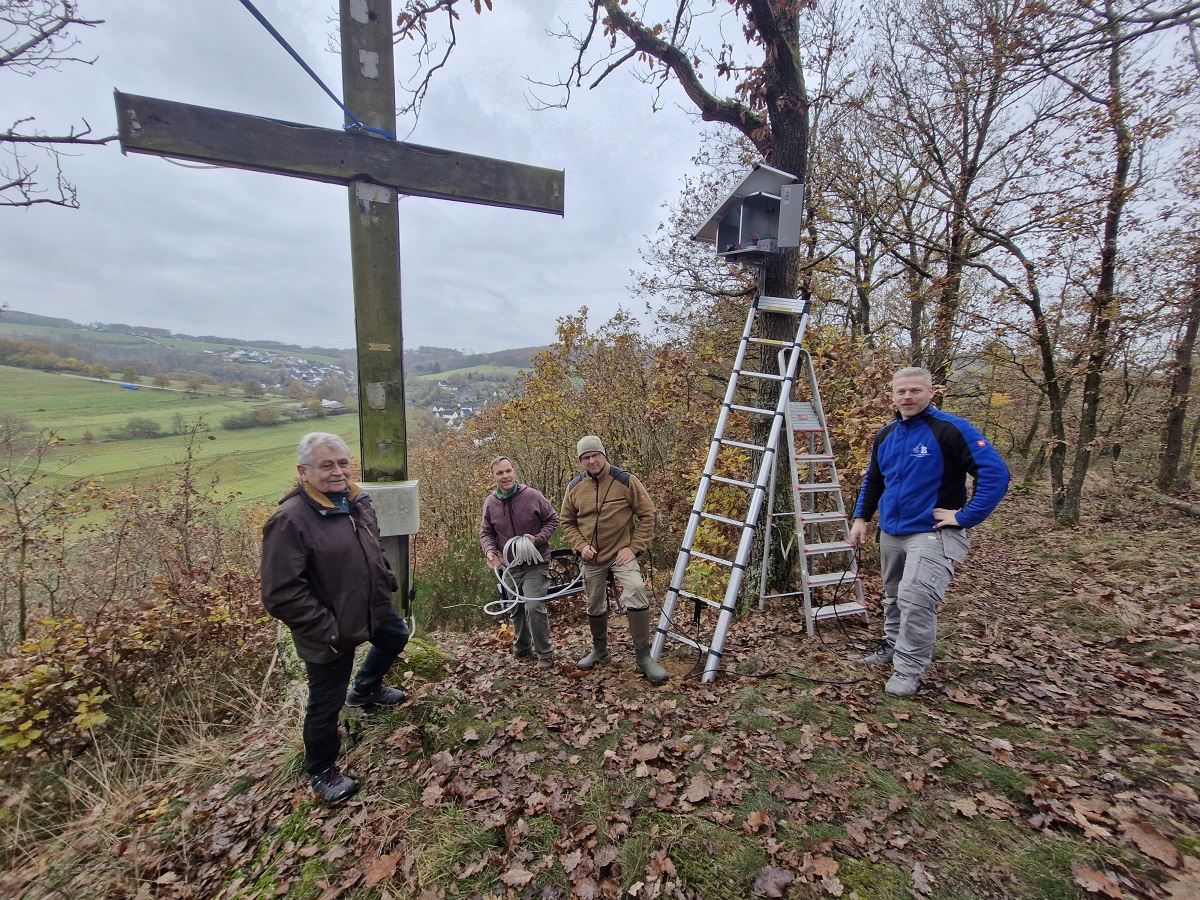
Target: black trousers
point(328, 683)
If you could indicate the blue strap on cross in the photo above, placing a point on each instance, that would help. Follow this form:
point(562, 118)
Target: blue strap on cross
point(355, 124)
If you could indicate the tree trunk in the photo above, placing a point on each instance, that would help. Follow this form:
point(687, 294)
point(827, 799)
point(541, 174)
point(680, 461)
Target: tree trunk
point(1104, 306)
point(1181, 387)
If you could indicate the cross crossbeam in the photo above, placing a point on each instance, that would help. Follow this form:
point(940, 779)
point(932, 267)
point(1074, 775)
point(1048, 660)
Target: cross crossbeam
point(374, 171)
point(215, 136)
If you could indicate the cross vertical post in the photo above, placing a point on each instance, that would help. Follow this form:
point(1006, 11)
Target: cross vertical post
point(377, 172)
point(368, 90)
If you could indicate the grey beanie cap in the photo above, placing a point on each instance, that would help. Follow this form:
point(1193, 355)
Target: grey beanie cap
point(589, 444)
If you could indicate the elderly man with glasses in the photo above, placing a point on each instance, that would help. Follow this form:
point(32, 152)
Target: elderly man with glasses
point(325, 576)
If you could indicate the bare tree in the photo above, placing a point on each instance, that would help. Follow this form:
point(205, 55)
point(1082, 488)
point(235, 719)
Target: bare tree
point(1099, 52)
point(1169, 476)
point(39, 35)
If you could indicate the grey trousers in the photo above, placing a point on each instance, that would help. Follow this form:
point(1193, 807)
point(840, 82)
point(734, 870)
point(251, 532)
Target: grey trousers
point(530, 619)
point(917, 569)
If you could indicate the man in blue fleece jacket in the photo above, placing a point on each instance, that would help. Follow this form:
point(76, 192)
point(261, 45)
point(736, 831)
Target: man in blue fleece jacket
point(917, 481)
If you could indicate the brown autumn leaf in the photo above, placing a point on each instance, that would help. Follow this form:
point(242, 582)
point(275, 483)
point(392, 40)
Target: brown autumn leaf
point(772, 881)
point(862, 731)
point(517, 878)
point(647, 752)
point(1096, 882)
point(699, 788)
point(824, 866)
point(757, 821)
point(1151, 841)
point(920, 878)
point(965, 807)
point(381, 869)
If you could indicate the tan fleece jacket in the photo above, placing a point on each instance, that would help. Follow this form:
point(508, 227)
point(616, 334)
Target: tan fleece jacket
point(608, 515)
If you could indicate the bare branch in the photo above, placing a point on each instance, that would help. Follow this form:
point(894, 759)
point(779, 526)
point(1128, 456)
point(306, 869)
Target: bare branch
point(35, 36)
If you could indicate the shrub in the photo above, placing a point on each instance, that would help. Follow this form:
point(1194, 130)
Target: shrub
point(164, 600)
point(240, 420)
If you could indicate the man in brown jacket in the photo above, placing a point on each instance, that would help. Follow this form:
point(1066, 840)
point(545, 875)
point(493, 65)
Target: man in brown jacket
point(608, 519)
point(324, 575)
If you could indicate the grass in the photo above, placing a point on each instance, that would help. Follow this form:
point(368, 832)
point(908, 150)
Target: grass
point(112, 341)
point(257, 464)
point(568, 790)
point(486, 373)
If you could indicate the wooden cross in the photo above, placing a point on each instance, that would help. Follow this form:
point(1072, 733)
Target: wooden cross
point(375, 170)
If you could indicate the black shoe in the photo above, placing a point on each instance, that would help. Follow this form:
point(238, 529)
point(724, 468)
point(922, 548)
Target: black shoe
point(385, 696)
point(332, 786)
point(522, 653)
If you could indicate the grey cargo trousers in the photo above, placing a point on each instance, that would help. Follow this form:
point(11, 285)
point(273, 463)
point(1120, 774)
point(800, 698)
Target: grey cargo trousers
point(917, 569)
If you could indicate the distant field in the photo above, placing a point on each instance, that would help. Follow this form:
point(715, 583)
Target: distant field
point(73, 335)
point(114, 341)
point(489, 372)
point(256, 462)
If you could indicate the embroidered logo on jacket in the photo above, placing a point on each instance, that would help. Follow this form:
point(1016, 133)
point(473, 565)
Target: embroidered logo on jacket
point(920, 450)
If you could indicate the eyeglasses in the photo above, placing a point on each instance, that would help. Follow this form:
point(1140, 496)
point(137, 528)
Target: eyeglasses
point(329, 465)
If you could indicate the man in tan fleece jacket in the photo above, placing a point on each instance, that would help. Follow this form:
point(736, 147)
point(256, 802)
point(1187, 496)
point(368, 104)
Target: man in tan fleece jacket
point(608, 519)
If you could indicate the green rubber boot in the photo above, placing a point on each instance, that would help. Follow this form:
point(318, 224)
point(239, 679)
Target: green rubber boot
point(599, 654)
point(639, 630)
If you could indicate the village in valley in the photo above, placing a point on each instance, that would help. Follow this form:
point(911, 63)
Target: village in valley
point(451, 386)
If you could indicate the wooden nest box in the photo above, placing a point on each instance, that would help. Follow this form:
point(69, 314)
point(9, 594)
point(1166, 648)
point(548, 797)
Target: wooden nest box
point(760, 218)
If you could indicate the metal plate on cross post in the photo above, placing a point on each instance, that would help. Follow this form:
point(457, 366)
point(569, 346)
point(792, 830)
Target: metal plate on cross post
point(396, 507)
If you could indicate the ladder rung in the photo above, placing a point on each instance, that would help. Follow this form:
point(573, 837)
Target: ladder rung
point(816, 518)
point(782, 596)
point(752, 409)
point(684, 639)
point(780, 304)
point(742, 444)
point(802, 417)
point(813, 487)
point(769, 376)
point(832, 579)
point(714, 559)
point(696, 598)
point(813, 458)
point(840, 611)
point(723, 480)
point(712, 517)
point(827, 547)
point(771, 342)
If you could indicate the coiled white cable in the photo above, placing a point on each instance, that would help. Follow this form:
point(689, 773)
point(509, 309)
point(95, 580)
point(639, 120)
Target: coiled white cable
point(520, 551)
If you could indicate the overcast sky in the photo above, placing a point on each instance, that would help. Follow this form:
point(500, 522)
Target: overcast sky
point(249, 255)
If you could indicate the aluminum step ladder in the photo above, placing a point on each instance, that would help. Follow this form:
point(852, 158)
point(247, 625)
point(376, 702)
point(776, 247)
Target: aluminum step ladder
point(822, 528)
point(712, 562)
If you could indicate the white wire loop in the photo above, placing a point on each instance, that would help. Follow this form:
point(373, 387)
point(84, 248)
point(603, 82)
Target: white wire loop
point(520, 551)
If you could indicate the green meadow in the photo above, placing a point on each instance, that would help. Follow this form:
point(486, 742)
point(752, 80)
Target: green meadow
point(114, 341)
point(255, 463)
point(487, 372)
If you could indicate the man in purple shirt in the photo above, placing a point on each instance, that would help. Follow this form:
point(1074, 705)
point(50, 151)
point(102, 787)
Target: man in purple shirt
point(515, 510)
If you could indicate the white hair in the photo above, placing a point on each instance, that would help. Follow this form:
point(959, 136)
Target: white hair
point(318, 440)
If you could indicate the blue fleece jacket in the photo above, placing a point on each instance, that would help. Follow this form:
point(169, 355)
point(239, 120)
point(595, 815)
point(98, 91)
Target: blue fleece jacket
point(923, 462)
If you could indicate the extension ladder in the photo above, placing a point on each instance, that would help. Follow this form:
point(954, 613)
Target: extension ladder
point(729, 499)
point(822, 529)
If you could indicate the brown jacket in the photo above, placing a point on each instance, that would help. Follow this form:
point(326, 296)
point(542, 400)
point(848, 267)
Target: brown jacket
point(324, 574)
point(601, 511)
